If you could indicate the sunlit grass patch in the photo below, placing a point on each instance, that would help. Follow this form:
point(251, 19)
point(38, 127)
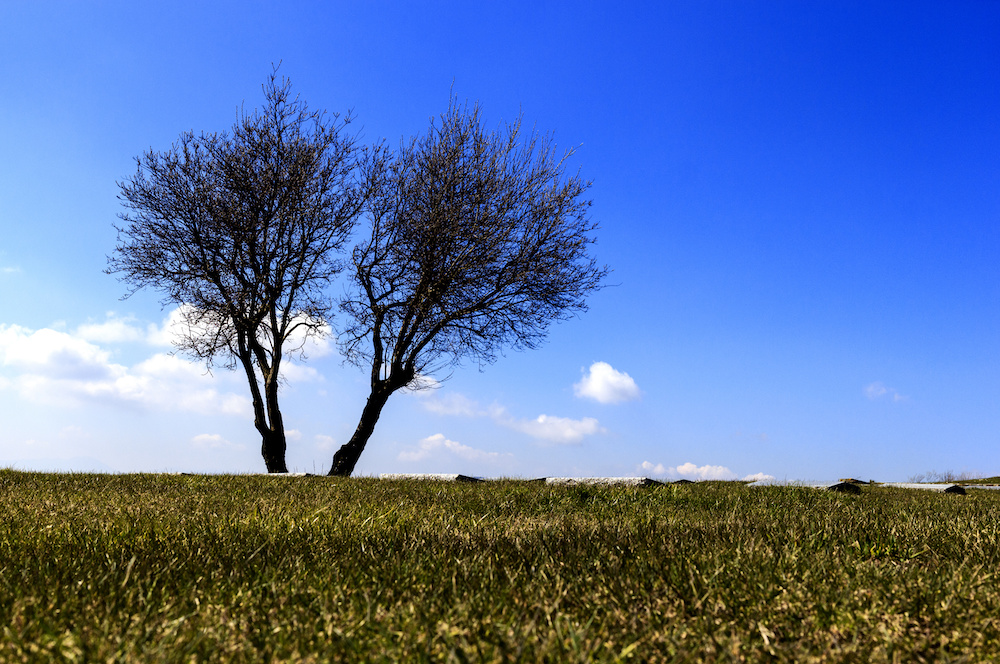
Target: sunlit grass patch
point(240, 568)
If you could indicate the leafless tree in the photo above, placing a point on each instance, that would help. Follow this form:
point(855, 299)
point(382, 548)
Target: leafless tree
point(244, 231)
point(477, 242)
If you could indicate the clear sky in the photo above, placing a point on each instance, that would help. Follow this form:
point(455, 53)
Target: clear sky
point(799, 202)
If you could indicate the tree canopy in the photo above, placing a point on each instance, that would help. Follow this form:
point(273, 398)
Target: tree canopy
point(478, 241)
point(245, 230)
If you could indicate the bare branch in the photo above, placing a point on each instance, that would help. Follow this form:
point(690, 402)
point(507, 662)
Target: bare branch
point(478, 242)
point(245, 229)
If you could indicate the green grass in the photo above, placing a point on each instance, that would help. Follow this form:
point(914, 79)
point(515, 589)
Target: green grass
point(192, 568)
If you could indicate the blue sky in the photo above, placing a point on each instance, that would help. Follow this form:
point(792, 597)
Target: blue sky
point(800, 205)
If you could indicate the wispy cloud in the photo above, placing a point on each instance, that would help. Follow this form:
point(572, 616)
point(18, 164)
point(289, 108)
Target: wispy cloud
point(604, 384)
point(10, 269)
point(878, 390)
point(548, 428)
point(453, 404)
point(215, 441)
point(438, 444)
point(559, 430)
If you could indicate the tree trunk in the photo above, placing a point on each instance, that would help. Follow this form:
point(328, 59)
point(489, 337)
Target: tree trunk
point(272, 448)
point(274, 443)
point(347, 456)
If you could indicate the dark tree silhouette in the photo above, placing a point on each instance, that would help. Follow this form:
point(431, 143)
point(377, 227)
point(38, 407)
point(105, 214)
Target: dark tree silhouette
point(243, 230)
point(478, 242)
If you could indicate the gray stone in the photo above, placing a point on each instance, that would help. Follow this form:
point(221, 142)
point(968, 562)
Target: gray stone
point(942, 488)
point(840, 487)
point(437, 477)
point(624, 481)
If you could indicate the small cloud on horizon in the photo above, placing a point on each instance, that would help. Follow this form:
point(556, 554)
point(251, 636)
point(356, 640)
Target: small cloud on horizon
point(758, 477)
point(653, 469)
point(690, 471)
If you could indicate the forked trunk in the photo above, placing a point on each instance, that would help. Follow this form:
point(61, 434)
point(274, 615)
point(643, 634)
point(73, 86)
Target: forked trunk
point(274, 444)
point(266, 415)
point(347, 456)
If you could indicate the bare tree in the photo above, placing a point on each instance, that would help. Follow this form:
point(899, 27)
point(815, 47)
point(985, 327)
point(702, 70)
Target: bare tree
point(478, 241)
point(244, 230)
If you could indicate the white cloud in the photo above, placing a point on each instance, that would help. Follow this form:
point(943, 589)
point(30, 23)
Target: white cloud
point(214, 441)
point(114, 329)
point(57, 367)
point(560, 430)
point(437, 443)
point(10, 270)
point(53, 354)
point(296, 373)
point(293, 434)
point(314, 344)
point(758, 477)
point(690, 471)
point(687, 471)
point(167, 382)
point(604, 384)
point(422, 386)
point(877, 390)
point(324, 442)
point(167, 331)
point(175, 327)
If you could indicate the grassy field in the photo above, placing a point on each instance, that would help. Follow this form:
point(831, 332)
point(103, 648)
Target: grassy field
point(194, 568)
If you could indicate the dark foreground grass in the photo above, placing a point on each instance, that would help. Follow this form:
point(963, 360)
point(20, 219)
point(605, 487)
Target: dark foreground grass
point(175, 568)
